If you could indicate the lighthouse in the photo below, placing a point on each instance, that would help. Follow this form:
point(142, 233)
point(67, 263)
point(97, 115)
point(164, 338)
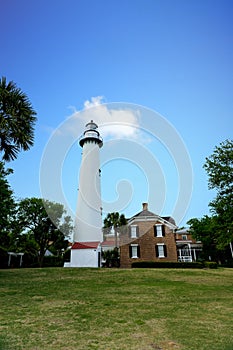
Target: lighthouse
point(86, 249)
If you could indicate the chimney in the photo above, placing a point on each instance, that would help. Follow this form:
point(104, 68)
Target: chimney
point(144, 206)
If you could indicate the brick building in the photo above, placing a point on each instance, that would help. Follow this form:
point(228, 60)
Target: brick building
point(148, 237)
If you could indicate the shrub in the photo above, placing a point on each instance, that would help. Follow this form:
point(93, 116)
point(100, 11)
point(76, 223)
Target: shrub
point(111, 258)
point(227, 264)
point(53, 261)
point(66, 255)
point(3, 258)
point(210, 264)
point(167, 264)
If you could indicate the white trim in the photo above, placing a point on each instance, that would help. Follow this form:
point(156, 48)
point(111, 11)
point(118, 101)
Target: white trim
point(160, 231)
point(131, 231)
point(159, 245)
point(153, 218)
point(134, 246)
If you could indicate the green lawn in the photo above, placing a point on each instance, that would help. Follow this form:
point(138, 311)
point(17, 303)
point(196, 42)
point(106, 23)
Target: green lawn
point(57, 308)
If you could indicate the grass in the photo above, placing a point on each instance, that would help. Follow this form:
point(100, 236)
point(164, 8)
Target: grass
point(57, 308)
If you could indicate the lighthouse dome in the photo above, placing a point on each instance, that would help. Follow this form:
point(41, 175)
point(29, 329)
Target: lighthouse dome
point(91, 134)
point(91, 126)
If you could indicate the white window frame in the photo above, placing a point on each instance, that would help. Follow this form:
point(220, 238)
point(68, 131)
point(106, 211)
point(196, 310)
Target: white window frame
point(184, 237)
point(159, 233)
point(133, 231)
point(134, 249)
point(160, 251)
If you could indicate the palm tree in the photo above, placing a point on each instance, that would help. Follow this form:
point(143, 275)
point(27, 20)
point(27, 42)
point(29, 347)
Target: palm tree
point(114, 220)
point(17, 119)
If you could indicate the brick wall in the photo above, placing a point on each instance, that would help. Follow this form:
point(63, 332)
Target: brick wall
point(147, 242)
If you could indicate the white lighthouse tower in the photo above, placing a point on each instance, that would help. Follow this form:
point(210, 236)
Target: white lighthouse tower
point(86, 250)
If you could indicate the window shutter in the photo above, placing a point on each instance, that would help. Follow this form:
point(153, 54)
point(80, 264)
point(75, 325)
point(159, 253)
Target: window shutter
point(138, 251)
point(137, 231)
point(163, 230)
point(130, 251)
point(165, 250)
point(155, 231)
point(129, 231)
point(156, 251)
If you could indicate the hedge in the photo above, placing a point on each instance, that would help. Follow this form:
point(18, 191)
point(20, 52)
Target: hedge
point(210, 265)
point(176, 265)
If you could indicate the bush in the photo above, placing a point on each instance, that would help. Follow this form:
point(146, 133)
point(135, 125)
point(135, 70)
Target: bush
point(3, 258)
point(66, 255)
point(111, 258)
point(53, 261)
point(167, 264)
point(227, 264)
point(210, 264)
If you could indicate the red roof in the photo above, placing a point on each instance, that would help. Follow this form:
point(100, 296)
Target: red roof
point(108, 243)
point(85, 245)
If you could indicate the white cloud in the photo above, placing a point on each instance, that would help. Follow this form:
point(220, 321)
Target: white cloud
point(114, 120)
point(95, 101)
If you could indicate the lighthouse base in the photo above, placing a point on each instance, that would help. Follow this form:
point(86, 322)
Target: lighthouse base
point(85, 254)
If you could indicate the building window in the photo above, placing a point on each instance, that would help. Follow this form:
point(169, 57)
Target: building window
point(161, 250)
point(134, 251)
point(159, 230)
point(184, 237)
point(134, 231)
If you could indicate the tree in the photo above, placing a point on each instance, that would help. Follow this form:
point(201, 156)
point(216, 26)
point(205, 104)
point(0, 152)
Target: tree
point(7, 206)
point(47, 222)
point(212, 234)
point(216, 232)
point(219, 167)
point(111, 257)
point(114, 220)
point(204, 230)
point(17, 119)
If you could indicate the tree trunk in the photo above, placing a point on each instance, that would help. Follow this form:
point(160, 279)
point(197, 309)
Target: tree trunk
point(115, 233)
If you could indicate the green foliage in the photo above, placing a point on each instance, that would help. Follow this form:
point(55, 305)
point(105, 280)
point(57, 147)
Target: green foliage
point(7, 206)
point(167, 264)
point(211, 232)
point(45, 223)
point(205, 230)
point(17, 119)
point(111, 258)
point(53, 261)
point(114, 220)
point(216, 232)
point(219, 167)
point(3, 258)
point(210, 264)
point(66, 255)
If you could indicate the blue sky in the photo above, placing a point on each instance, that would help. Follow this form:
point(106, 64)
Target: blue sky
point(173, 57)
